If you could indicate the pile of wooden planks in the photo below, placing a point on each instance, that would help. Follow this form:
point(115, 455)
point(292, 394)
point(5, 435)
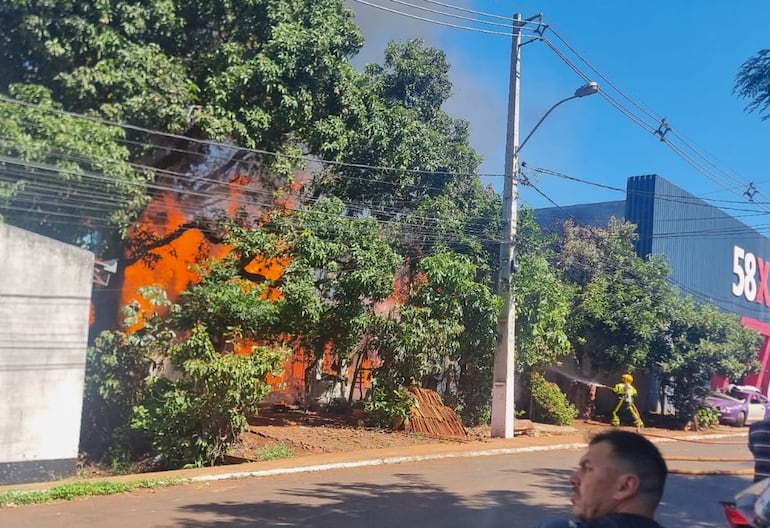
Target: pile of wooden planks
point(431, 417)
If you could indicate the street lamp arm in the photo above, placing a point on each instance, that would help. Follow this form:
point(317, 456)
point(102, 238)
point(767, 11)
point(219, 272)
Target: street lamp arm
point(571, 97)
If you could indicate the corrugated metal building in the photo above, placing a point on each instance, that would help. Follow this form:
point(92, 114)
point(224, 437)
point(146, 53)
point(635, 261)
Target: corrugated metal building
point(713, 256)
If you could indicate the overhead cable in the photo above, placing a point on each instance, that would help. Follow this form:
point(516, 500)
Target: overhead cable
point(438, 22)
point(451, 15)
point(715, 173)
point(308, 159)
point(472, 11)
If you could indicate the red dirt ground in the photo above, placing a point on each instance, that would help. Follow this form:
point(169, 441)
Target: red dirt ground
point(305, 433)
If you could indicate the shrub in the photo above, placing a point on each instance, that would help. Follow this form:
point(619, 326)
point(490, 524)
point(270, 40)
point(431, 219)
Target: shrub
point(388, 409)
point(117, 368)
point(188, 417)
point(706, 417)
point(549, 403)
point(194, 419)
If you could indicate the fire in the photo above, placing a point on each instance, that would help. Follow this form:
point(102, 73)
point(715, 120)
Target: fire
point(169, 266)
point(177, 247)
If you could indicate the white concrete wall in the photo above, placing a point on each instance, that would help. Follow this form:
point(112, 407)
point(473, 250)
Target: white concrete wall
point(45, 294)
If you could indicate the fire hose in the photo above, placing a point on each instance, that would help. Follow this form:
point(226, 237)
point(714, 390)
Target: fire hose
point(702, 472)
point(731, 472)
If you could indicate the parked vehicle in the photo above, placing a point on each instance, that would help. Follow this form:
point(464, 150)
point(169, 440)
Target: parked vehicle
point(751, 507)
point(739, 405)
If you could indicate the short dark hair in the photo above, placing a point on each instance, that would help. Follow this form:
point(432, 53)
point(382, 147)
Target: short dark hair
point(641, 457)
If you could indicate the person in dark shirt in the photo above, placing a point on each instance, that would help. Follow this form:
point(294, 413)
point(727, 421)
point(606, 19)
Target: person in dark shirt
point(618, 484)
point(759, 445)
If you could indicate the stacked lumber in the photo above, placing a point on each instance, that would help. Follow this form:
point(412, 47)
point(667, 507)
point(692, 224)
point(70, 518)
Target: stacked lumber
point(431, 417)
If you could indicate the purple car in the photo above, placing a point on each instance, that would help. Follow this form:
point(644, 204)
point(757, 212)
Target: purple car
point(739, 405)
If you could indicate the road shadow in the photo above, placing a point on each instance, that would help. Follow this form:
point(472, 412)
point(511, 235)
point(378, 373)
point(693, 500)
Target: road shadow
point(412, 501)
point(706, 512)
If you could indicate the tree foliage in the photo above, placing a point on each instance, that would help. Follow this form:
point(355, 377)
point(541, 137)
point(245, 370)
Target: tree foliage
point(443, 334)
point(165, 388)
point(543, 301)
point(390, 117)
point(627, 316)
point(194, 414)
point(549, 404)
point(251, 74)
point(752, 82)
point(254, 71)
point(620, 297)
point(335, 269)
point(697, 342)
point(65, 177)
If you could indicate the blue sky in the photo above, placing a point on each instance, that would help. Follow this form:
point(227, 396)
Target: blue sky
point(676, 59)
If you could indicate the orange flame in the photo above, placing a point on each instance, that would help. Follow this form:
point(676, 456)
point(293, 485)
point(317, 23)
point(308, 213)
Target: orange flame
point(170, 266)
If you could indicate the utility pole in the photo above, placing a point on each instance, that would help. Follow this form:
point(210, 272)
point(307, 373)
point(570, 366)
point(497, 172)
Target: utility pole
point(502, 392)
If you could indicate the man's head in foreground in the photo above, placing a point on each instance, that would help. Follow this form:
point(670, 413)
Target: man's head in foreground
point(622, 472)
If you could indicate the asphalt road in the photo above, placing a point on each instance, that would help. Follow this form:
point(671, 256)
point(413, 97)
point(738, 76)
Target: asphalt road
point(489, 491)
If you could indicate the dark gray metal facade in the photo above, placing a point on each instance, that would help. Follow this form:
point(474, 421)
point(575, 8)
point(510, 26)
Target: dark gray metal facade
point(551, 219)
point(713, 256)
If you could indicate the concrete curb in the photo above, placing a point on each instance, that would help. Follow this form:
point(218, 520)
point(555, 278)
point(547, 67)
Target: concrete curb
point(438, 456)
point(384, 461)
point(363, 459)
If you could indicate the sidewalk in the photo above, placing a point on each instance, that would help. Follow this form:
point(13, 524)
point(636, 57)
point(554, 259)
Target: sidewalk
point(546, 439)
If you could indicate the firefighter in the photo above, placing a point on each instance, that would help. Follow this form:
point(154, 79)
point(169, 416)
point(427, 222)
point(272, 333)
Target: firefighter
point(626, 392)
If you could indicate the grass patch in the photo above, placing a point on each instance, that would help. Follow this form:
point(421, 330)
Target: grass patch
point(79, 489)
point(275, 452)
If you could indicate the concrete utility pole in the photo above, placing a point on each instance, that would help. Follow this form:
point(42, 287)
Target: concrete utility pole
point(502, 395)
point(505, 352)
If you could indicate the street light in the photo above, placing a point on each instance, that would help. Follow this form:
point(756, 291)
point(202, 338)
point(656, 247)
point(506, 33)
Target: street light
point(587, 89)
point(505, 366)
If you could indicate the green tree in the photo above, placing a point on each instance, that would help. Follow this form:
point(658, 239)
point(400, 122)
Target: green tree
point(249, 74)
point(270, 75)
point(752, 82)
point(338, 268)
point(698, 342)
point(253, 72)
point(431, 199)
point(195, 413)
point(617, 310)
point(390, 117)
point(65, 177)
point(464, 219)
point(165, 386)
point(543, 301)
point(117, 369)
point(626, 315)
point(444, 334)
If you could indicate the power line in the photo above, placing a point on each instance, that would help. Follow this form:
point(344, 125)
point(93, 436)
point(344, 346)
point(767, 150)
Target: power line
point(90, 198)
point(661, 126)
point(78, 204)
point(437, 22)
point(618, 105)
point(605, 79)
point(451, 15)
point(210, 143)
point(700, 295)
point(694, 200)
point(50, 172)
point(688, 235)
